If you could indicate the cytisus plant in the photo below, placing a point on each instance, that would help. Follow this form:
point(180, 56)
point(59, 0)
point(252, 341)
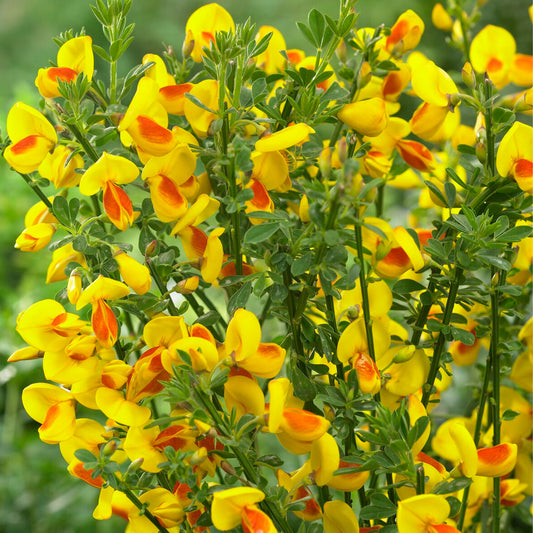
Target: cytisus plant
point(271, 267)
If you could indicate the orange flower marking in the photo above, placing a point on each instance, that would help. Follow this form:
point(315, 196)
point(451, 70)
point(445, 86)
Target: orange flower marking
point(497, 460)
point(104, 324)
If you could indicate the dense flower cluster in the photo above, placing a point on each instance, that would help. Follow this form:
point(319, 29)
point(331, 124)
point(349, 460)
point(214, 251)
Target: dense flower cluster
point(275, 357)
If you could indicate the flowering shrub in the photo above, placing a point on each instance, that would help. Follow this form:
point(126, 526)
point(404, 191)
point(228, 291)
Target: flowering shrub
point(246, 334)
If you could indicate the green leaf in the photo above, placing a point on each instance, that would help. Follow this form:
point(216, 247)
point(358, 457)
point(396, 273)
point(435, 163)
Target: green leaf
point(451, 194)
point(436, 191)
point(406, 286)
point(515, 234)
point(454, 485)
point(239, 298)
point(271, 460)
point(509, 414)
point(84, 455)
point(317, 25)
point(261, 232)
point(461, 335)
point(302, 264)
point(307, 33)
point(381, 507)
point(304, 388)
point(61, 210)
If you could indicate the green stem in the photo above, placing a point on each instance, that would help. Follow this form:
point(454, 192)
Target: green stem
point(37, 190)
point(477, 430)
point(364, 292)
point(248, 469)
point(495, 357)
point(294, 323)
point(441, 339)
point(86, 145)
point(161, 286)
point(112, 82)
point(420, 480)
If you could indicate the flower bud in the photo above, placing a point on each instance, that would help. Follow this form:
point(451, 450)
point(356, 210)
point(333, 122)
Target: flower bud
point(135, 465)
point(188, 285)
point(404, 354)
point(468, 75)
point(198, 457)
point(341, 52)
point(151, 249)
point(109, 448)
point(481, 152)
point(364, 76)
point(187, 48)
point(74, 287)
point(342, 150)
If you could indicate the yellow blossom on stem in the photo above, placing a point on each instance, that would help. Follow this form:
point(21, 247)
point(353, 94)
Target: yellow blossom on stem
point(405, 33)
point(103, 319)
point(243, 393)
point(46, 326)
point(367, 117)
point(440, 18)
point(53, 408)
point(61, 257)
point(74, 56)
point(424, 513)
point(201, 28)
point(107, 173)
point(515, 156)
point(281, 140)
point(199, 118)
point(492, 51)
point(339, 518)
point(134, 274)
point(228, 506)
point(36, 237)
point(32, 137)
point(56, 169)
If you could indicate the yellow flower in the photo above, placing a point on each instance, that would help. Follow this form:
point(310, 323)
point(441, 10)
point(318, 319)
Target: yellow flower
point(53, 167)
point(60, 260)
point(405, 33)
point(134, 274)
point(492, 51)
point(35, 237)
point(281, 140)
point(515, 156)
point(74, 56)
point(339, 518)
point(202, 26)
point(32, 137)
point(103, 319)
point(53, 408)
point(46, 326)
point(367, 117)
point(440, 18)
point(228, 505)
point(107, 173)
point(420, 513)
point(200, 119)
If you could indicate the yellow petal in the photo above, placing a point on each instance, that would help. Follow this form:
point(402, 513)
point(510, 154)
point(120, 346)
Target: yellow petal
point(339, 518)
point(228, 505)
point(285, 138)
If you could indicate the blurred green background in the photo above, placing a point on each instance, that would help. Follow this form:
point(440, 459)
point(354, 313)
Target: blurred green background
point(36, 493)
